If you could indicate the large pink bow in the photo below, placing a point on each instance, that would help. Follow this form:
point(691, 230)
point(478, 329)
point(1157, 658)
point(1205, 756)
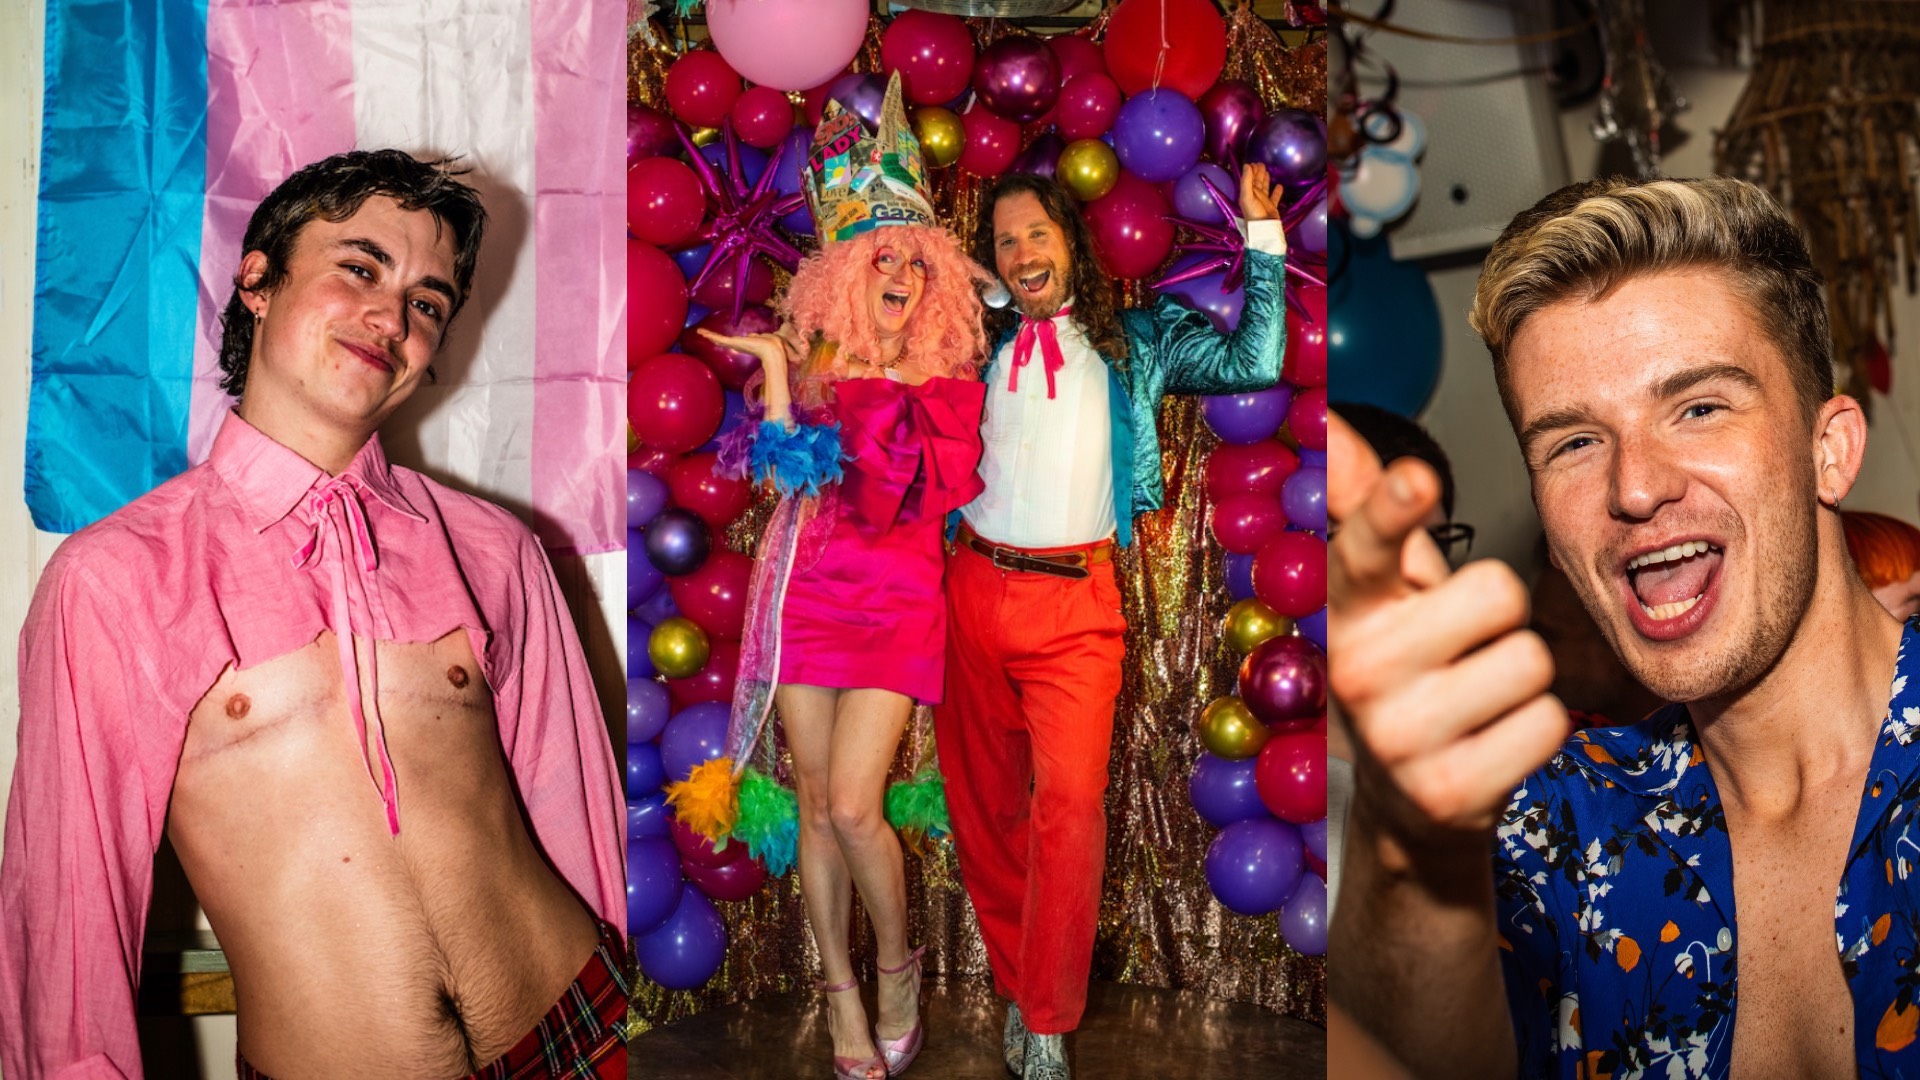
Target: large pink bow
point(1052, 360)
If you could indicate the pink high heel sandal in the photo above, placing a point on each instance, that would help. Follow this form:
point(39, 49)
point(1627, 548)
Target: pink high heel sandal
point(847, 1068)
point(899, 1053)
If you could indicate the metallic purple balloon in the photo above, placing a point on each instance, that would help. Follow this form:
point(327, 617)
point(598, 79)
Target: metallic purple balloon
point(1158, 135)
point(864, 94)
point(1254, 865)
point(1293, 146)
point(1018, 78)
point(1208, 295)
point(1283, 680)
point(1232, 109)
point(1304, 497)
point(1192, 200)
point(678, 542)
point(1310, 235)
point(1040, 159)
point(649, 133)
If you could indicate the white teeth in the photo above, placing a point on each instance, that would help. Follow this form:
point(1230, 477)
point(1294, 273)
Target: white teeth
point(1671, 611)
point(1677, 551)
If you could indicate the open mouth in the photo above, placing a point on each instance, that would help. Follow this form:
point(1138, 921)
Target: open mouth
point(894, 302)
point(1035, 283)
point(1672, 588)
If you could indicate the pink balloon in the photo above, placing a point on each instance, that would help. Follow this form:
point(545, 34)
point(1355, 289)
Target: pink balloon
point(664, 202)
point(701, 88)
point(1306, 360)
point(1131, 233)
point(762, 117)
point(1291, 775)
point(992, 142)
point(717, 293)
point(1087, 106)
point(714, 682)
point(787, 44)
point(697, 850)
point(1307, 418)
point(732, 367)
point(1244, 523)
point(715, 499)
point(734, 881)
point(1256, 469)
point(932, 52)
point(649, 132)
point(656, 301)
point(1290, 574)
point(674, 402)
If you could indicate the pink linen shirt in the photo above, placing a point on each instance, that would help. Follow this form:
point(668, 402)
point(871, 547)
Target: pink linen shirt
point(138, 615)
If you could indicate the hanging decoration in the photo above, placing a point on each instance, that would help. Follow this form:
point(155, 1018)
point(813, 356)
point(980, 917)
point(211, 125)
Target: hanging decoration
point(1636, 98)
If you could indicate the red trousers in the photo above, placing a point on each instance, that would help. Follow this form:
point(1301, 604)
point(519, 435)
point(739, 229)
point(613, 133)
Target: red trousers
point(1033, 668)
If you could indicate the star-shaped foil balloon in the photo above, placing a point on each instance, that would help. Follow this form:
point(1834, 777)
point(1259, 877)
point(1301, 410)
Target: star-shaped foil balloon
point(744, 218)
point(1226, 248)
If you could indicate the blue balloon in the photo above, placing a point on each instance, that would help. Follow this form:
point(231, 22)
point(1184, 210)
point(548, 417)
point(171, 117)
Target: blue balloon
point(1223, 791)
point(639, 664)
point(643, 578)
point(1253, 866)
point(1159, 134)
point(1239, 576)
point(1314, 628)
point(1208, 294)
point(734, 411)
point(1383, 327)
point(694, 314)
point(697, 733)
point(753, 162)
point(683, 952)
point(647, 710)
point(644, 773)
point(1303, 922)
point(690, 260)
point(653, 883)
point(1304, 497)
point(647, 819)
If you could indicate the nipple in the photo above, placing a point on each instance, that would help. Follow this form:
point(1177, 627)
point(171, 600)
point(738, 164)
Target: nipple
point(457, 675)
point(237, 706)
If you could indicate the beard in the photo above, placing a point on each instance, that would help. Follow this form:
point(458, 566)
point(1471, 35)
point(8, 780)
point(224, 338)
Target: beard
point(1046, 303)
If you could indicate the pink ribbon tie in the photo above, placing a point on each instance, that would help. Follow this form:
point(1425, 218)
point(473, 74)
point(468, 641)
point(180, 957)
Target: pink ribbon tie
point(1052, 359)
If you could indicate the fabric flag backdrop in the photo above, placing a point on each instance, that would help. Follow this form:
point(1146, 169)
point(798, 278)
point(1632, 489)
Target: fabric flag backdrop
point(166, 123)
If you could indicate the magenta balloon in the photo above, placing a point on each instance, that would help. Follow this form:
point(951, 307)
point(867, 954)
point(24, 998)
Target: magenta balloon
point(1131, 233)
point(665, 203)
point(762, 117)
point(1232, 109)
point(697, 850)
point(1307, 417)
point(656, 301)
point(1191, 199)
point(993, 141)
point(717, 292)
point(1077, 56)
point(1292, 144)
point(1245, 523)
point(732, 367)
point(701, 88)
point(649, 132)
point(1290, 574)
point(1017, 77)
point(787, 44)
point(1258, 468)
point(1088, 103)
point(674, 402)
point(683, 952)
point(734, 881)
point(933, 53)
point(1291, 773)
point(1284, 682)
point(715, 595)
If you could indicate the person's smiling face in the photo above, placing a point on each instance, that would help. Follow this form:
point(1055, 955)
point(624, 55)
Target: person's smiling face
point(1676, 475)
point(1031, 254)
point(895, 286)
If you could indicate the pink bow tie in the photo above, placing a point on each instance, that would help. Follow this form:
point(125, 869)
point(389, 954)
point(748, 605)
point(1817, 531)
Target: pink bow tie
point(1052, 360)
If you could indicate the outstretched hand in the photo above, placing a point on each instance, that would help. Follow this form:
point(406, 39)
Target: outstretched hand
point(772, 350)
point(1258, 200)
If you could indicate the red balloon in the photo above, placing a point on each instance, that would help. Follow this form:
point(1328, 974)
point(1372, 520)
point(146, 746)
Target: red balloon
point(702, 87)
point(1283, 682)
point(762, 117)
point(1087, 106)
point(656, 301)
point(1291, 775)
point(664, 202)
point(1196, 46)
point(653, 460)
point(1306, 362)
point(715, 595)
point(716, 500)
point(717, 293)
point(932, 52)
point(1290, 574)
point(713, 682)
point(1255, 469)
point(1131, 233)
point(1314, 864)
point(1307, 418)
point(732, 367)
point(697, 850)
point(734, 881)
point(674, 402)
point(993, 142)
point(649, 132)
point(1077, 56)
point(1244, 523)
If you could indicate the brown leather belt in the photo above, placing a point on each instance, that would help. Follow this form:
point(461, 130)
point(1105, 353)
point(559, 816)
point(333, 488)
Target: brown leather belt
point(1066, 564)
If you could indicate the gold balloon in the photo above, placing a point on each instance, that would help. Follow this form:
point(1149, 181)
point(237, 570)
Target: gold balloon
point(678, 647)
point(940, 134)
point(1228, 729)
point(1250, 622)
point(1088, 168)
point(704, 136)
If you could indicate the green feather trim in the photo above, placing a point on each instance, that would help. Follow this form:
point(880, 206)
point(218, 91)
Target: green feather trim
point(685, 7)
point(768, 822)
point(919, 805)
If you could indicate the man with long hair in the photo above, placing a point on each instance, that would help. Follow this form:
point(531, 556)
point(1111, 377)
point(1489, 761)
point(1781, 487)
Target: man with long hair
point(1036, 635)
point(351, 696)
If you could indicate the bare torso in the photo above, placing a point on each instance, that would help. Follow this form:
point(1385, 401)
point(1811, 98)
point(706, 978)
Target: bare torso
point(355, 952)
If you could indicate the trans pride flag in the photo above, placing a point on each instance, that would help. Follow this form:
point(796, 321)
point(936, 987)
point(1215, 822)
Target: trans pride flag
point(165, 123)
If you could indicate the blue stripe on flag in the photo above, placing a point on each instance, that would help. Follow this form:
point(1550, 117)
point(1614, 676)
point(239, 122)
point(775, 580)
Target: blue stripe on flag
point(123, 161)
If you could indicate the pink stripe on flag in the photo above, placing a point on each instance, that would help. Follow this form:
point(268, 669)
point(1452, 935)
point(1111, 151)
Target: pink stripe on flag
point(579, 230)
point(279, 96)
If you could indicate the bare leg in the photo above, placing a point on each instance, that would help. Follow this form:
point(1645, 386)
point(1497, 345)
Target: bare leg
point(866, 735)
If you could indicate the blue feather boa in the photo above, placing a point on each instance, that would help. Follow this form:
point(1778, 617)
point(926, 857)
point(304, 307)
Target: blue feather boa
point(799, 461)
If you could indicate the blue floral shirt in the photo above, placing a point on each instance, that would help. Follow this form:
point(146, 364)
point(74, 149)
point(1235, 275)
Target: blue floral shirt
point(1616, 908)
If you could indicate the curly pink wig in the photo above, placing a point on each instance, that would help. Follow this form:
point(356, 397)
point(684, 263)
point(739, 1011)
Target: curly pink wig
point(828, 297)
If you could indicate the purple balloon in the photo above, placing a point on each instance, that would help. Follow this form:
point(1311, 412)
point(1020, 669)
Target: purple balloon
point(653, 883)
point(1304, 497)
point(1310, 234)
point(1292, 144)
point(698, 733)
point(1223, 791)
point(639, 664)
point(691, 259)
point(1314, 835)
point(1303, 922)
point(1313, 459)
point(683, 952)
point(753, 161)
point(646, 497)
point(1018, 78)
point(649, 133)
point(1313, 627)
point(1158, 135)
point(644, 775)
point(678, 542)
point(695, 313)
point(647, 819)
point(643, 578)
point(1284, 681)
point(1191, 199)
point(657, 609)
point(1208, 294)
point(1239, 576)
point(1254, 865)
point(647, 710)
point(1231, 110)
point(786, 178)
point(1245, 419)
point(1042, 158)
point(865, 95)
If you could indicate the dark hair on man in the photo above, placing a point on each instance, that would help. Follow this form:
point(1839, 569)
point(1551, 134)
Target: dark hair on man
point(1094, 307)
point(1393, 437)
point(334, 189)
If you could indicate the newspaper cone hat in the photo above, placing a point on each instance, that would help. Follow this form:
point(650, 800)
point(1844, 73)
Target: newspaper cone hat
point(857, 179)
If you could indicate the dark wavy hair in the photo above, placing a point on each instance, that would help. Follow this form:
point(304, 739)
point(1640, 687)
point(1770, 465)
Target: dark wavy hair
point(335, 189)
point(1094, 306)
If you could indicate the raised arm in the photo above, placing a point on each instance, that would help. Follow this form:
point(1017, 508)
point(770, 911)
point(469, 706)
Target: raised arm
point(1201, 360)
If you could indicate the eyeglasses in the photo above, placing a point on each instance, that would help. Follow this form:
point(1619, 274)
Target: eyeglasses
point(1454, 534)
point(887, 262)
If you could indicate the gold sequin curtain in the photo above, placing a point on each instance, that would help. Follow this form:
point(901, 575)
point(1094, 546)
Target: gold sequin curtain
point(1159, 923)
